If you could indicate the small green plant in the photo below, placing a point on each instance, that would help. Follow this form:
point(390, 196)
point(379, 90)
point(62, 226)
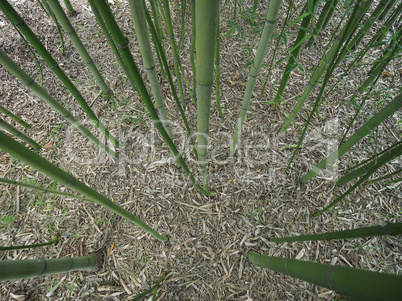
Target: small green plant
point(6, 221)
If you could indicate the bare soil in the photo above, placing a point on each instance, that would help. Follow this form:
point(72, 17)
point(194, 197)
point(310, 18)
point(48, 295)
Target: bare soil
point(209, 237)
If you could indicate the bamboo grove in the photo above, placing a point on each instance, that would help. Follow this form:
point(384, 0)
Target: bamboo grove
point(350, 43)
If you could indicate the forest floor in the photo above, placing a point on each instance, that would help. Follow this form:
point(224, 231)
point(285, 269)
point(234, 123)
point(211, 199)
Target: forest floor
point(209, 237)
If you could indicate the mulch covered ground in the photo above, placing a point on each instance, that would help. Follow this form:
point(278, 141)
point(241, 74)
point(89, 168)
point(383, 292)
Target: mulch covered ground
point(206, 256)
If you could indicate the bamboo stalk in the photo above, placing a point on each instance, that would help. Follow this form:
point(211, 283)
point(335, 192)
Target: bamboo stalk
point(156, 22)
point(22, 153)
point(14, 117)
point(354, 283)
point(50, 13)
point(205, 48)
point(137, 9)
point(122, 45)
point(254, 11)
point(157, 19)
point(109, 39)
point(176, 57)
point(327, 61)
point(326, 11)
point(15, 70)
point(70, 31)
point(354, 44)
point(69, 7)
point(183, 6)
point(54, 240)
point(16, 20)
point(270, 24)
point(364, 130)
point(21, 269)
point(388, 229)
point(12, 130)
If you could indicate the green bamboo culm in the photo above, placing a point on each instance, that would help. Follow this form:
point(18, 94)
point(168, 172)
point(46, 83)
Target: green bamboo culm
point(16, 20)
point(270, 24)
point(205, 48)
point(22, 269)
point(69, 7)
point(29, 157)
point(43, 4)
point(70, 31)
point(390, 52)
point(109, 39)
point(15, 70)
point(14, 117)
point(159, 48)
point(176, 57)
point(387, 9)
point(157, 19)
point(122, 44)
point(54, 240)
point(354, 44)
point(137, 9)
point(388, 229)
point(45, 190)
point(254, 11)
point(353, 283)
point(183, 6)
point(155, 12)
point(12, 130)
point(217, 69)
point(291, 64)
point(328, 59)
point(394, 153)
point(368, 166)
point(323, 20)
point(363, 131)
point(192, 48)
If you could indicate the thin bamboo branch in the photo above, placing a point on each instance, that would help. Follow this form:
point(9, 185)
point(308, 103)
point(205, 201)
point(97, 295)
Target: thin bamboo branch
point(33, 246)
